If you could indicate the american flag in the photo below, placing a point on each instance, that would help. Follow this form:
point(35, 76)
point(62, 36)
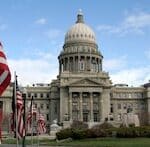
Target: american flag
point(5, 75)
point(12, 123)
point(35, 115)
point(17, 103)
point(5, 78)
point(31, 114)
point(30, 117)
point(41, 124)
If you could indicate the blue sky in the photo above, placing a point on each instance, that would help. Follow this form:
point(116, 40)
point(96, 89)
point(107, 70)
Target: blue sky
point(32, 33)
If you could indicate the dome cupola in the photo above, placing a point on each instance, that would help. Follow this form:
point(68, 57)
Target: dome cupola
point(80, 32)
point(80, 51)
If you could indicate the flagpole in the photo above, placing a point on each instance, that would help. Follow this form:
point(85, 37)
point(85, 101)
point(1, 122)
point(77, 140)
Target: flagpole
point(16, 121)
point(24, 118)
point(1, 118)
point(32, 122)
point(37, 126)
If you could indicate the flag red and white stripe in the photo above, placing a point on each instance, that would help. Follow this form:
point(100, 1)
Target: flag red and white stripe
point(20, 109)
point(5, 75)
point(17, 123)
point(12, 125)
point(35, 115)
point(31, 114)
point(41, 124)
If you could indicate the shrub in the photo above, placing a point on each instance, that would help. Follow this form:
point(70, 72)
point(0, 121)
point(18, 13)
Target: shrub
point(106, 125)
point(94, 133)
point(131, 125)
point(101, 130)
point(126, 133)
point(133, 132)
point(63, 134)
point(79, 134)
point(79, 125)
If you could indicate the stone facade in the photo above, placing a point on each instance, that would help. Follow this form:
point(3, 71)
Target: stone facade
point(82, 90)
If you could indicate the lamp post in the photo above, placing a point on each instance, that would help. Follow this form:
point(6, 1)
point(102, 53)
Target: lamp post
point(24, 115)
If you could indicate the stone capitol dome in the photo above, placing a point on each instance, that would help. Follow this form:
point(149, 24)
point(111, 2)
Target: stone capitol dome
point(80, 51)
point(80, 32)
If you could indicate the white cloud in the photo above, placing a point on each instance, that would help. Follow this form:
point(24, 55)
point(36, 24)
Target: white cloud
point(53, 33)
point(31, 71)
point(41, 21)
point(115, 64)
point(134, 76)
point(104, 28)
point(136, 23)
point(45, 55)
point(120, 73)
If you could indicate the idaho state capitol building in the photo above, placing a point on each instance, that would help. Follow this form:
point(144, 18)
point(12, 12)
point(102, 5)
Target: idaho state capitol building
point(82, 90)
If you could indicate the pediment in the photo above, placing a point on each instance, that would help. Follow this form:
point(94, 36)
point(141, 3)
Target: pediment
point(85, 82)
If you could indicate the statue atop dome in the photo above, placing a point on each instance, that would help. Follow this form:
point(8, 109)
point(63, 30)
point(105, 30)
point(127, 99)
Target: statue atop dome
point(80, 17)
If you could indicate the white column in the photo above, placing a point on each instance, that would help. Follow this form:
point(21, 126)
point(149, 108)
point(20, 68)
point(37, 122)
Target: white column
point(74, 64)
point(70, 106)
point(91, 107)
point(81, 109)
point(101, 109)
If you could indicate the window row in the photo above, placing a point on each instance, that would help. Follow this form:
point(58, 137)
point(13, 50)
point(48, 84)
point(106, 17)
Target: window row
point(39, 95)
point(127, 106)
point(86, 116)
point(42, 106)
point(127, 95)
point(80, 49)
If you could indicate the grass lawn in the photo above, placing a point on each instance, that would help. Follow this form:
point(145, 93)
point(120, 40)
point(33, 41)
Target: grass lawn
point(99, 142)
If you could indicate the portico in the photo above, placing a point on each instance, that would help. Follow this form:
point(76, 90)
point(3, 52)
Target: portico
point(85, 106)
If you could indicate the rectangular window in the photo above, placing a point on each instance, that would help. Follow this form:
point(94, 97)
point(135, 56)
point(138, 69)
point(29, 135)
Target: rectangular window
point(75, 115)
point(41, 94)
point(42, 106)
point(35, 95)
point(47, 95)
point(95, 117)
point(95, 106)
point(111, 108)
point(85, 107)
point(47, 117)
point(85, 117)
point(119, 106)
point(75, 106)
point(47, 106)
